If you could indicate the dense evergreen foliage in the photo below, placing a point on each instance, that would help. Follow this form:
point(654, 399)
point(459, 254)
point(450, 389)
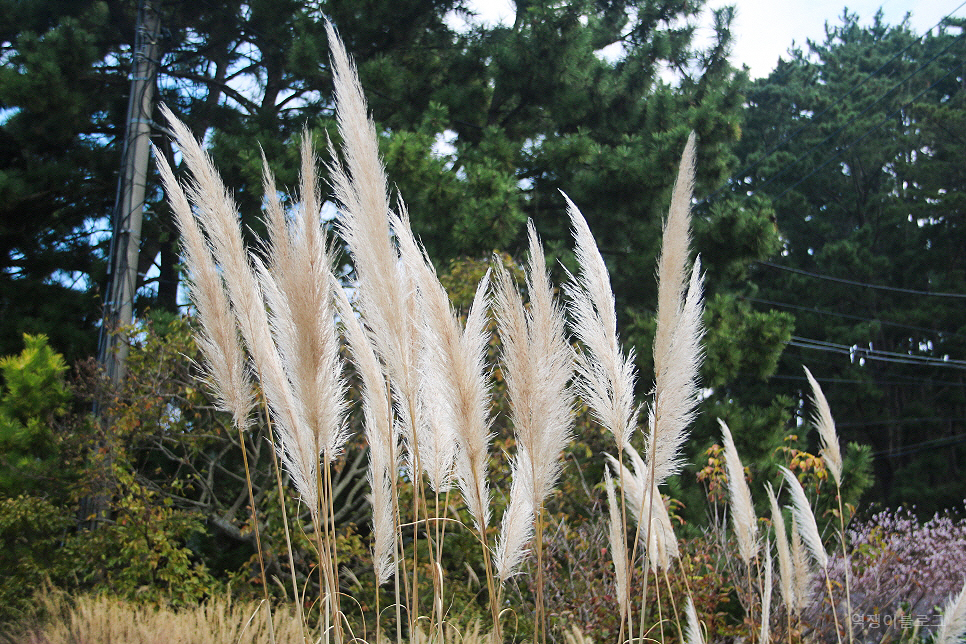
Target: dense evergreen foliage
point(858, 142)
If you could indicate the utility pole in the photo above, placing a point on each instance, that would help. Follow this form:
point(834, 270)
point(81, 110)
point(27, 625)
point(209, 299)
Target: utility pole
point(129, 207)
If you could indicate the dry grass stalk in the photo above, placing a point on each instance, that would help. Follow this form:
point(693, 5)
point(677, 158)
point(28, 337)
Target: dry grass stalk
point(677, 340)
point(606, 376)
point(952, 629)
point(822, 419)
point(105, 619)
point(298, 285)
point(693, 633)
point(743, 518)
point(785, 570)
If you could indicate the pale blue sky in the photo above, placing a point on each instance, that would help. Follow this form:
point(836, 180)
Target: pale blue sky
point(765, 29)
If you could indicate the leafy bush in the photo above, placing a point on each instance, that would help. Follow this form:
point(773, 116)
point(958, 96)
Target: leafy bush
point(34, 395)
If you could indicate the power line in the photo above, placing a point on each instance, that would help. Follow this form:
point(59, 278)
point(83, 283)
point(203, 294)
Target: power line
point(900, 421)
point(846, 316)
point(840, 280)
point(945, 441)
point(856, 352)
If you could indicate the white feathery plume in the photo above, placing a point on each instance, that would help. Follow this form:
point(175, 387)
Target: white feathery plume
point(805, 519)
point(785, 570)
point(218, 216)
point(538, 367)
point(385, 294)
point(225, 364)
point(538, 364)
point(381, 437)
point(803, 575)
point(953, 626)
point(606, 376)
point(517, 526)
point(676, 384)
point(435, 434)
point(743, 517)
point(672, 270)
point(618, 544)
point(677, 339)
point(764, 637)
point(692, 632)
point(439, 386)
point(662, 544)
point(822, 419)
point(453, 371)
point(299, 285)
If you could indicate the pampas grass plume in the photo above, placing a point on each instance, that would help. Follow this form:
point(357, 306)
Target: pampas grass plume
point(380, 435)
point(805, 519)
point(743, 517)
point(538, 365)
point(217, 214)
point(802, 573)
point(953, 626)
point(765, 632)
point(822, 418)
point(662, 544)
point(618, 544)
point(606, 376)
point(692, 632)
point(785, 570)
point(217, 338)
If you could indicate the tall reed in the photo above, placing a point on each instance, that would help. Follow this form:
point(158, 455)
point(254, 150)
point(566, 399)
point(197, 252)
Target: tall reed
point(538, 364)
point(295, 349)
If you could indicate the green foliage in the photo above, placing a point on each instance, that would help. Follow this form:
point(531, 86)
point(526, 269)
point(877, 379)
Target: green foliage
point(142, 552)
point(31, 531)
point(33, 396)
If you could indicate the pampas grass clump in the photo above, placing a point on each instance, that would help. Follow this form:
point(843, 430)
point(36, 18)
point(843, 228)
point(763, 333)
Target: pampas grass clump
point(276, 320)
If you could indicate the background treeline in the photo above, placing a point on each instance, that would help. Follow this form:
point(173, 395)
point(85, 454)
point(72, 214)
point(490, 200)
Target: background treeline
point(829, 220)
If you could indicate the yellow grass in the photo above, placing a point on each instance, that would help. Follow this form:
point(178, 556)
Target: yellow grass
point(105, 620)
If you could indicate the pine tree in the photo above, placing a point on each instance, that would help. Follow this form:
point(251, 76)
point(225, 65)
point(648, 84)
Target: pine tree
point(853, 142)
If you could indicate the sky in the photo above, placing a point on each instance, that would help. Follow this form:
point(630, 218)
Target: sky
point(765, 29)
